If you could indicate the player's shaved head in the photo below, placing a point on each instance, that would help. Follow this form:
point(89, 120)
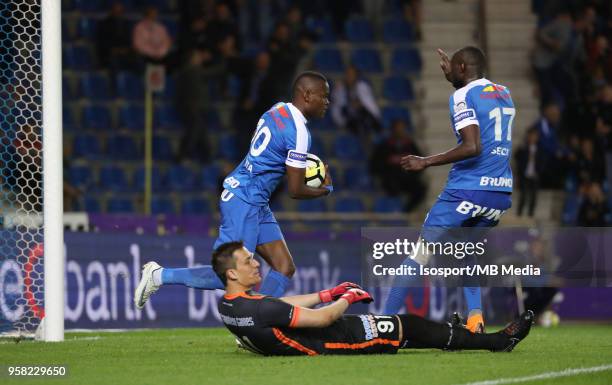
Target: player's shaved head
point(311, 94)
point(307, 80)
point(473, 58)
point(223, 259)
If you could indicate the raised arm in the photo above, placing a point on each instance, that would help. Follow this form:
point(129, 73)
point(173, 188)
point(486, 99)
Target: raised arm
point(468, 148)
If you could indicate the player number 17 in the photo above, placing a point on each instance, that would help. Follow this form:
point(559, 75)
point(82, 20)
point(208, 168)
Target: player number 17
point(496, 114)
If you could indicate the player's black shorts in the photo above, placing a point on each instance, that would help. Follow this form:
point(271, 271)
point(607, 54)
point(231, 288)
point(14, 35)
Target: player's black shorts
point(351, 334)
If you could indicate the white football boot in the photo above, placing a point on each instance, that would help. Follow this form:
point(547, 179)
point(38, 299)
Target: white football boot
point(146, 286)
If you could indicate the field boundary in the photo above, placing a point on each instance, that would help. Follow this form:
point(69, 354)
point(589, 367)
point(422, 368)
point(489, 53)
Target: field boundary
point(544, 376)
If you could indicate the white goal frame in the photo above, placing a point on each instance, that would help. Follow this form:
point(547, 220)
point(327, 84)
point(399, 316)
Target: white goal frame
point(53, 203)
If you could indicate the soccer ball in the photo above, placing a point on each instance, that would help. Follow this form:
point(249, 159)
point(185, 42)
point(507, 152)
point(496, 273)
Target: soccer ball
point(315, 171)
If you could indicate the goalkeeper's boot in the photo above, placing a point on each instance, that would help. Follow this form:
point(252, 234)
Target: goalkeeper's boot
point(146, 286)
point(517, 330)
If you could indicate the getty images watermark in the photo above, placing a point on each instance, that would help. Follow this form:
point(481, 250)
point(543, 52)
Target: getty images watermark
point(500, 257)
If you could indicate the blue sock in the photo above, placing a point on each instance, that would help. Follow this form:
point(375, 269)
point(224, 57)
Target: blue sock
point(472, 298)
point(275, 284)
point(401, 287)
point(202, 277)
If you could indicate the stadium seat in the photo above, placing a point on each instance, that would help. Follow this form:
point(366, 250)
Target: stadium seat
point(95, 86)
point(156, 179)
point(397, 30)
point(132, 117)
point(88, 28)
point(348, 147)
point(122, 147)
point(406, 60)
point(349, 205)
point(325, 124)
point(227, 147)
point(130, 86)
point(358, 178)
point(81, 177)
point(388, 205)
point(191, 206)
point(328, 60)
point(391, 113)
point(90, 5)
point(312, 205)
point(86, 146)
point(571, 209)
point(68, 120)
point(317, 147)
point(209, 178)
point(277, 204)
point(160, 205)
point(113, 178)
point(169, 90)
point(323, 28)
point(162, 148)
point(67, 88)
point(92, 204)
point(171, 25)
point(367, 60)
point(180, 178)
point(358, 30)
point(166, 118)
point(77, 57)
point(163, 5)
point(398, 89)
point(96, 117)
point(119, 205)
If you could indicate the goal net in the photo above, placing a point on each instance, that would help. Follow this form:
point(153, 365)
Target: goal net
point(23, 163)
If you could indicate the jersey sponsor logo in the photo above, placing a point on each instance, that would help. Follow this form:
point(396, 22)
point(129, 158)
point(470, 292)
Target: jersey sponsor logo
point(495, 182)
point(474, 210)
point(465, 114)
point(238, 321)
point(369, 327)
point(460, 107)
point(298, 156)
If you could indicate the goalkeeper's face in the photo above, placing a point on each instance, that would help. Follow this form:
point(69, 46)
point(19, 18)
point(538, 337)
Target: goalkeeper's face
point(246, 272)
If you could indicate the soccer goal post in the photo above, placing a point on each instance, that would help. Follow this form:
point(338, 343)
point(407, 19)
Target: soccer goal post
point(31, 173)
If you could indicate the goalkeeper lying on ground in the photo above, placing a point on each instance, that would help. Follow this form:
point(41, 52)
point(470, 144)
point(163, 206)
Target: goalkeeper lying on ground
point(287, 326)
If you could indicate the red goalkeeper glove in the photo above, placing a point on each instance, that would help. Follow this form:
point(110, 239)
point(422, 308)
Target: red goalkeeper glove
point(357, 295)
point(333, 294)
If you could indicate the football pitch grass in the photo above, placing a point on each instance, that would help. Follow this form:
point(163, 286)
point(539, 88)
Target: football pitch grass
point(210, 356)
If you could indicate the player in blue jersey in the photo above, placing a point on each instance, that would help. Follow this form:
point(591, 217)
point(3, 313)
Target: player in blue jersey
point(279, 146)
point(479, 186)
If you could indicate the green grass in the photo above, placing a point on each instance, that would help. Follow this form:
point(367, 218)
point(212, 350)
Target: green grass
point(210, 356)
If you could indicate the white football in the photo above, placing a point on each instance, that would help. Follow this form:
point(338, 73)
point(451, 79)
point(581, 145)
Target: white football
point(315, 171)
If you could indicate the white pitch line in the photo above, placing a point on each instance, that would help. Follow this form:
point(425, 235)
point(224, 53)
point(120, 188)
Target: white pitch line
point(544, 376)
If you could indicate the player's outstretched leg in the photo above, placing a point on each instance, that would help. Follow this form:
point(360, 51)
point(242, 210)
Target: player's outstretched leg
point(401, 288)
point(422, 333)
point(153, 276)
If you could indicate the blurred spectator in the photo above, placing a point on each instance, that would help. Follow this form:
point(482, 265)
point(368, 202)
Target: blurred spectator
point(354, 105)
point(193, 103)
point(196, 35)
point(221, 25)
point(413, 12)
point(551, 55)
point(548, 128)
point(594, 207)
point(385, 164)
point(113, 40)
point(150, 38)
point(285, 55)
point(256, 97)
point(591, 164)
point(530, 163)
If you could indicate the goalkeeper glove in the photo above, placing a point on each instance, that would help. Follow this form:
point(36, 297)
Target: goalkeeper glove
point(357, 295)
point(333, 294)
